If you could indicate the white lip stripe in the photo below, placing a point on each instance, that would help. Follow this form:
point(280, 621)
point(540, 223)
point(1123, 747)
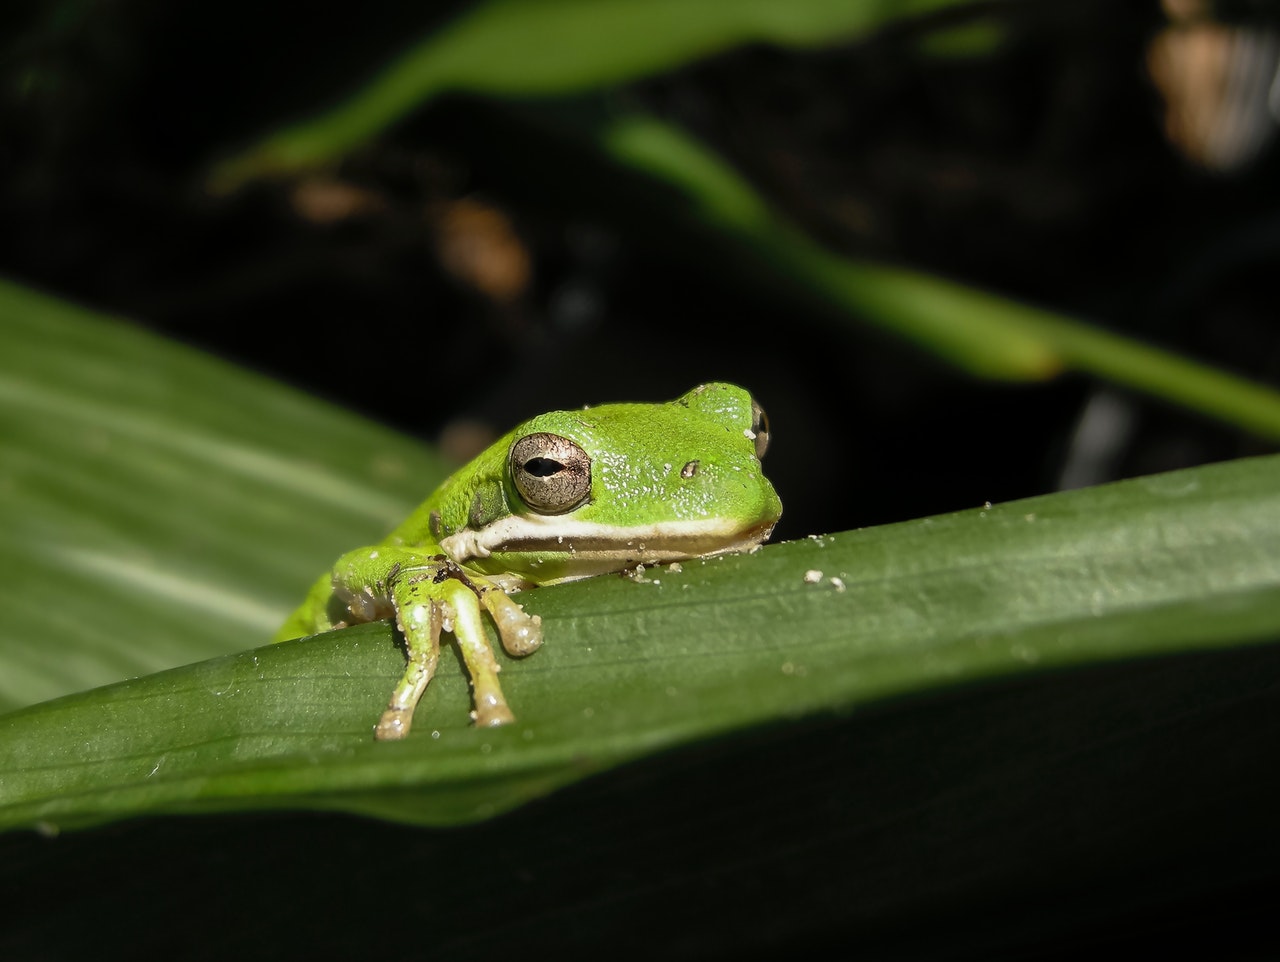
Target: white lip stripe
point(668, 540)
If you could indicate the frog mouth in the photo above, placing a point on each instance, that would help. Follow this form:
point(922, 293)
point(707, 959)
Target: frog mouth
point(589, 548)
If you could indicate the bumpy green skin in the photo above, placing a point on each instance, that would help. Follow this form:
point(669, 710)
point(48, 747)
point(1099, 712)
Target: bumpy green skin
point(667, 482)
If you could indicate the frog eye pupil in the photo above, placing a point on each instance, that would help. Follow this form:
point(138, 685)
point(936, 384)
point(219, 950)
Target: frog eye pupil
point(542, 467)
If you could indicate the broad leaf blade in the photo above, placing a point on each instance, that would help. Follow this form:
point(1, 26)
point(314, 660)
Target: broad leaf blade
point(1182, 561)
point(158, 506)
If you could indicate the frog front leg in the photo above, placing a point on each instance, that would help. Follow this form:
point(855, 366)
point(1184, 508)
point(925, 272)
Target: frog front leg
point(428, 594)
point(426, 599)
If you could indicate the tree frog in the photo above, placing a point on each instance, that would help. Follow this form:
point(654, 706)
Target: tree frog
point(565, 495)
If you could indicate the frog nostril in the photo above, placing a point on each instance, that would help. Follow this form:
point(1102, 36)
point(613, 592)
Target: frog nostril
point(689, 470)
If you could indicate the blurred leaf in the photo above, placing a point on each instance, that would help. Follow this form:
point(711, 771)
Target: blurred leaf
point(980, 37)
point(979, 331)
point(157, 506)
point(531, 48)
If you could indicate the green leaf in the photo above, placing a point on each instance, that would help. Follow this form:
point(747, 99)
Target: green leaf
point(160, 506)
point(157, 506)
point(976, 330)
point(196, 489)
point(528, 48)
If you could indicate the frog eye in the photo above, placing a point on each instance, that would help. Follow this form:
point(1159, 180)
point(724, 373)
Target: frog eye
point(552, 474)
point(759, 428)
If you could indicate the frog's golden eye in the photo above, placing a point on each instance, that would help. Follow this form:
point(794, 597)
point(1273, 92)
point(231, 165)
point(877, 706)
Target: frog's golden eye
point(760, 428)
point(552, 474)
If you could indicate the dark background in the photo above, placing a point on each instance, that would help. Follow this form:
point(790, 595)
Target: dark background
point(480, 263)
point(1039, 170)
